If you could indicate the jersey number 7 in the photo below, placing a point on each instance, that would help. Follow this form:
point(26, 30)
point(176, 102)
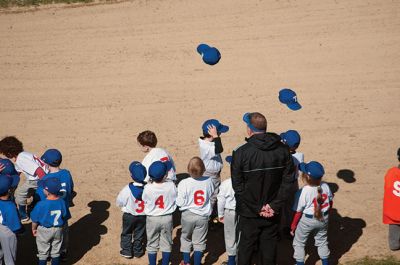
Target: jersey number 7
point(57, 214)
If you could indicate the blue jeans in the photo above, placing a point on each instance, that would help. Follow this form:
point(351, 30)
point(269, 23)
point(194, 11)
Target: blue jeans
point(133, 227)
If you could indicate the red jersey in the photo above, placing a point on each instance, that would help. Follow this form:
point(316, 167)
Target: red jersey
point(391, 197)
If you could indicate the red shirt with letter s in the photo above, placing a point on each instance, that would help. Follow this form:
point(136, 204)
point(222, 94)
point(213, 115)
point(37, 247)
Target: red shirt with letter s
point(391, 197)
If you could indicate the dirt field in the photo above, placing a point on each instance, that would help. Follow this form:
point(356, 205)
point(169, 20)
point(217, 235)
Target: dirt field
point(86, 80)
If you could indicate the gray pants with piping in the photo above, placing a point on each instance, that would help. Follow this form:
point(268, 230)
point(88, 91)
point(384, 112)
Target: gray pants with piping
point(159, 233)
point(194, 232)
point(230, 232)
point(311, 226)
point(22, 192)
point(394, 237)
point(49, 241)
point(8, 242)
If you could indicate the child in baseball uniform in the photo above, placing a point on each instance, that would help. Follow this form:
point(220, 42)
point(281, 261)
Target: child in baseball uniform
point(10, 223)
point(193, 199)
point(9, 171)
point(53, 159)
point(391, 205)
point(27, 163)
point(227, 215)
point(133, 219)
point(48, 219)
point(147, 141)
point(312, 212)
point(159, 197)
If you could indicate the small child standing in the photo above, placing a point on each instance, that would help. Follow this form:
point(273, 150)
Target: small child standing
point(312, 212)
point(193, 199)
point(391, 205)
point(48, 219)
point(133, 220)
point(10, 223)
point(159, 197)
point(227, 216)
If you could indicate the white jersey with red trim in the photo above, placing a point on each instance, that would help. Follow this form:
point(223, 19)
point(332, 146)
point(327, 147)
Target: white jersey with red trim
point(212, 161)
point(28, 163)
point(159, 198)
point(159, 154)
point(194, 195)
point(306, 198)
point(128, 203)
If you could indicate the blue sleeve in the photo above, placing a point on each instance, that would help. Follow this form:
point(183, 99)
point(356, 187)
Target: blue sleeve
point(35, 214)
point(11, 218)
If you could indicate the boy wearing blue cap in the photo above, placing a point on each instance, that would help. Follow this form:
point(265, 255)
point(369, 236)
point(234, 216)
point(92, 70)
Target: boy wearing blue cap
point(10, 224)
point(312, 212)
point(48, 218)
point(159, 197)
point(134, 219)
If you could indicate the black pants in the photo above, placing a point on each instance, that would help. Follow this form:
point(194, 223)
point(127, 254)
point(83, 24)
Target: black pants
point(257, 236)
point(133, 227)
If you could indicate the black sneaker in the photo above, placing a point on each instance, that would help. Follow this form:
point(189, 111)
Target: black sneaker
point(138, 255)
point(127, 256)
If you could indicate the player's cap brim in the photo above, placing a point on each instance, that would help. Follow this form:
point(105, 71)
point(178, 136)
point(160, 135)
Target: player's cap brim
point(294, 106)
point(302, 167)
point(223, 128)
point(228, 159)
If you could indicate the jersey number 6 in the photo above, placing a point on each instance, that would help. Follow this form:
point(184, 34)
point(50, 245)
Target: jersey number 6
point(199, 198)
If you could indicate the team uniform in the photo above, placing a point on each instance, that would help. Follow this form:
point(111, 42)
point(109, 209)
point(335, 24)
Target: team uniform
point(159, 154)
point(194, 201)
point(308, 225)
point(391, 206)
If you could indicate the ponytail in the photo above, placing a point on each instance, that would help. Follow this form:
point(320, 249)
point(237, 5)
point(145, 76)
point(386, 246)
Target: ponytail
point(317, 205)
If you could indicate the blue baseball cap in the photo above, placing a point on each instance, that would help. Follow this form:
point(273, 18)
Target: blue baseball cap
point(52, 185)
point(289, 97)
point(247, 120)
point(138, 171)
point(209, 54)
point(228, 159)
point(52, 157)
point(291, 138)
point(159, 169)
point(5, 184)
point(9, 171)
point(220, 127)
point(314, 169)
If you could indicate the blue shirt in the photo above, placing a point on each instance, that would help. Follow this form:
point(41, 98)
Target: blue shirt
point(50, 213)
point(9, 215)
point(67, 185)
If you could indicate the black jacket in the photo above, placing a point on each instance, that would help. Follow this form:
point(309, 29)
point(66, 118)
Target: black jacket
point(262, 172)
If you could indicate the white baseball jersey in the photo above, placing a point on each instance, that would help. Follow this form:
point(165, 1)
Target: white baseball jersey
point(212, 162)
point(128, 203)
point(194, 195)
point(226, 197)
point(306, 198)
point(28, 163)
point(159, 198)
point(297, 159)
point(159, 154)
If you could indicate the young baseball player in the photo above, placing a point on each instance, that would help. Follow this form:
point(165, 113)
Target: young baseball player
point(27, 163)
point(133, 220)
point(48, 219)
point(227, 216)
point(312, 211)
point(193, 199)
point(9, 171)
point(10, 223)
point(391, 205)
point(53, 159)
point(147, 142)
point(159, 197)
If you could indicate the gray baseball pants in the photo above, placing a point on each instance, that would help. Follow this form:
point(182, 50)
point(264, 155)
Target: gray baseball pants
point(22, 192)
point(159, 233)
point(394, 237)
point(216, 181)
point(8, 242)
point(230, 232)
point(311, 226)
point(49, 241)
point(194, 232)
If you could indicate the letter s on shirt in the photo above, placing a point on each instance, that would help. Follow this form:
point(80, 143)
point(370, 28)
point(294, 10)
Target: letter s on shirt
point(396, 187)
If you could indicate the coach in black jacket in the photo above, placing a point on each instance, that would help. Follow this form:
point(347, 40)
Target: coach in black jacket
point(262, 173)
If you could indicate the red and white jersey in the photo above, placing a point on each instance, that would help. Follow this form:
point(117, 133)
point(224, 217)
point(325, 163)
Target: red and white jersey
point(128, 203)
point(194, 195)
point(159, 198)
point(28, 163)
point(297, 159)
point(306, 198)
point(226, 197)
point(212, 162)
point(159, 154)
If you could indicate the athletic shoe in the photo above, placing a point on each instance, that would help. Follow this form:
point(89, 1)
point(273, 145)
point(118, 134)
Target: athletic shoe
point(125, 255)
point(26, 220)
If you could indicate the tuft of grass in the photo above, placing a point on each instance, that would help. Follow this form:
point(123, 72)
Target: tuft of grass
point(371, 261)
point(12, 3)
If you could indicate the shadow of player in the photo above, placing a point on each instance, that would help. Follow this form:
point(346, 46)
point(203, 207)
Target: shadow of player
point(26, 248)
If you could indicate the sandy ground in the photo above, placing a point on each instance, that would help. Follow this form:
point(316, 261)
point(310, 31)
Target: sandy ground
point(86, 80)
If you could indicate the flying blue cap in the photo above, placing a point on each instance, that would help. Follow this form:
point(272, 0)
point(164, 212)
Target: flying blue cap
point(52, 185)
point(138, 171)
point(291, 138)
point(247, 120)
point(52, 157)
point(314, 169)
point(5, 183)
point(220, 127)
point(158, 170)
point(9, 171)
point(289, 97)
point(209, 54)
point(228, 159)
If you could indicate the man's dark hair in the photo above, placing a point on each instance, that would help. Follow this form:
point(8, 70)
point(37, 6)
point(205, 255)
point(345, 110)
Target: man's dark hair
point(10, 146)
point(258, 120)
point(147, 138)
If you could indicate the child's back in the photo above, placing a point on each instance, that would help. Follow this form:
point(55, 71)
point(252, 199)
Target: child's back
point(67, 185)
point(159, 198)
